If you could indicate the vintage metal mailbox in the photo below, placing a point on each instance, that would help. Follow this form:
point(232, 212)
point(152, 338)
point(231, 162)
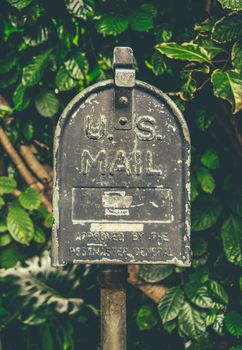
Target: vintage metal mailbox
point(121, 175)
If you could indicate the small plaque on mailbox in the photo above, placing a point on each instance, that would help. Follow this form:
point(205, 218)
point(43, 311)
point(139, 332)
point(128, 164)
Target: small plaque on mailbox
point(121, 165)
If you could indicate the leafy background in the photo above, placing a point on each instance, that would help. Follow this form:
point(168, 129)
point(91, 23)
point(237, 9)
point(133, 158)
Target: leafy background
point(51, 50)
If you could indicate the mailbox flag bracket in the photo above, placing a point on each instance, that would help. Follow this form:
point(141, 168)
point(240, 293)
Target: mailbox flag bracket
point(124, 81)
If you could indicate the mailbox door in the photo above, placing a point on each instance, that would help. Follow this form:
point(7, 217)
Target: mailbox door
point(121, 195)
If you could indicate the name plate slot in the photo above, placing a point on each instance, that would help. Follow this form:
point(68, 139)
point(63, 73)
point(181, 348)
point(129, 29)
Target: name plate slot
point(126, 205)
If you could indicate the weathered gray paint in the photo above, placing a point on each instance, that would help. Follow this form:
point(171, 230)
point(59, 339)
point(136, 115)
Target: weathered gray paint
point(134, 206)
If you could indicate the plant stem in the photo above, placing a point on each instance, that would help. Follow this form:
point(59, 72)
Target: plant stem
point(208, 7)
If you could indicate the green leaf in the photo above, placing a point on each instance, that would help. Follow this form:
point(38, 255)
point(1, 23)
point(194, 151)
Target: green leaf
point(155, 273)
point(112, 24)
point(39, 235)
point(64, 81)
point(65, 39)
point(47, 338)
point(28, 131)
point(20, 225)
point(3, 226)
point(19, 4)
point(210, 159)
point(5, 110)
point(199, 260)
point(212, 48)
point(163, 32)
point(206, 25)
point(80, 8)
point(233, 323)
point(179, 102)
point(10, 78)
point(199, 246)
point(191, 321)
point(146, 318)
point(206, 214)
point(8, 62)
point(194, 188)
point(48, 220)
point(105, 63)
point(2, 203)
point(17, 21)
point(228, 28)
point(211, 317)
point(149, 9)
point(46, 103)
point(231, 4)
point(218, 324)
point(36, 36)
point(188, 89)
point(200, 275)
point(77, 66)
point(30, 199)
point(206, 179)
point(170, 326)
point(33, 72)
point(238, 347)
point(236, 55)
point(5, 239)
point(171, 304)
point(232, 240)
point(41, 284)
point(36, 320)
point(198, 295)
point(192, 69)
point(20, 100)
point(10, 256)
point(228, 86)
point(185, 51)
point(190, 72)
point(218, 292)
point(141, 20)
point(7, 184)
point(159, 65)
point(204, 119)
point(34, 12)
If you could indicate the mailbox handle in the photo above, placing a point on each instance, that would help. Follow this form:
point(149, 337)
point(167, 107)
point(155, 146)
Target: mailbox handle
point(124, 81)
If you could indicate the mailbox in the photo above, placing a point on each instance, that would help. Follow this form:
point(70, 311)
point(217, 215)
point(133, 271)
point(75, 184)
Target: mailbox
point(121, 175)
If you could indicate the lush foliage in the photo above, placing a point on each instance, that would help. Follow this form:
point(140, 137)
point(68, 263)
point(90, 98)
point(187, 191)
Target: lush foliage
point(192, 50)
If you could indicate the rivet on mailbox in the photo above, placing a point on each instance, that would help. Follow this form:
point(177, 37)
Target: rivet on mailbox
point(121, 175)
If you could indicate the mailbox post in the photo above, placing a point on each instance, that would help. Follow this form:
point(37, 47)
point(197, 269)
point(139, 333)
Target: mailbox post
point(113, 306)
point(121, 186)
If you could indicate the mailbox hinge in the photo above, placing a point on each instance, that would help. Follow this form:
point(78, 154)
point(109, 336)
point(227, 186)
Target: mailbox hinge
point(124, 81)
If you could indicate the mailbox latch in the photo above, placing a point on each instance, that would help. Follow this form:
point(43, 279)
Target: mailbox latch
point(124, 81)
